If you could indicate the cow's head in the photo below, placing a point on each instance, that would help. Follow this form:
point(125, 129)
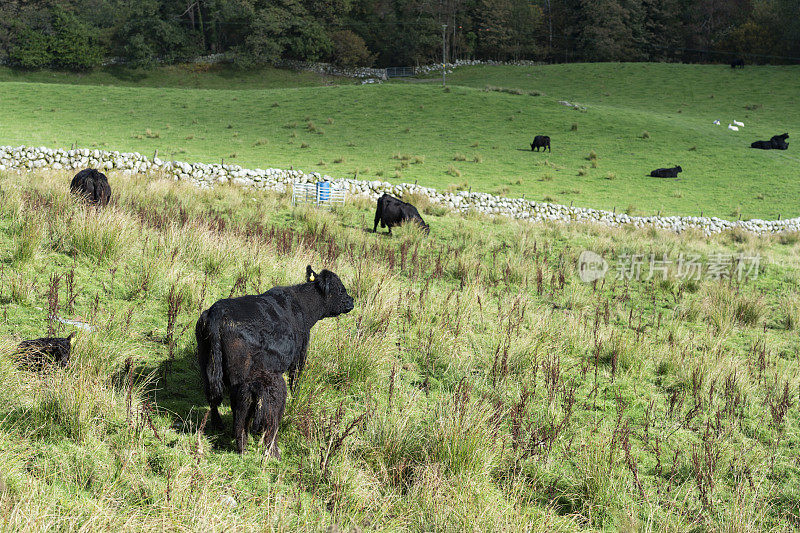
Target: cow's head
point(337, 301)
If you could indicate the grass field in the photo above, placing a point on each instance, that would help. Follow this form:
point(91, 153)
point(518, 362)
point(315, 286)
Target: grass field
point(499, 392)
point(639, 117)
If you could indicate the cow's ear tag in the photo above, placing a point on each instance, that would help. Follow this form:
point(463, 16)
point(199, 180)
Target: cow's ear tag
point(311, 277)
point(72, 340)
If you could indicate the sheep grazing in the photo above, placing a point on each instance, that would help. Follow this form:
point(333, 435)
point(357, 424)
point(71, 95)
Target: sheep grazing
point(733, 128)
point(716, 123)
point(91, 185)
point(737, 123)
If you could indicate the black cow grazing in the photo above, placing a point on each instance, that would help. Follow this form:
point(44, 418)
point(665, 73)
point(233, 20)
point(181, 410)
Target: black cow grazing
point(738, 62)
point(392, 212)
point(38, 353)
point(779, 141)
point(245, 344)
point(762, 145)
point(541, 141)
point(92, 185)
point(666, 172)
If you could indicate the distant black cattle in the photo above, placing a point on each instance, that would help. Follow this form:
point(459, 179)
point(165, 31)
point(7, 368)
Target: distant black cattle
point(245, 344)
point(541, 141)
point(666, 172)
point(762, 145)
point(92, 185)
point(392, 212)
point(779, 141)
point(738, 62)
point(38, 353)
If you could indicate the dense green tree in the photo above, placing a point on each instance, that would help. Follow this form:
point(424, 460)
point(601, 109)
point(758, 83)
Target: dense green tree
point(350, 50)
point(79, 34)
point(606, 32)
point(284, 29)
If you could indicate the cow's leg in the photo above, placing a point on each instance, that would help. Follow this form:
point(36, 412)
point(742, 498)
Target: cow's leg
point(216, 420)
point(241, 405)
point(378, 213)
point(274, 399)
point(297, 367)
point(548, 148)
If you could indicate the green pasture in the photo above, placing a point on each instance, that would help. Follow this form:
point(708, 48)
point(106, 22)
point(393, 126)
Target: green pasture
point(475, 134)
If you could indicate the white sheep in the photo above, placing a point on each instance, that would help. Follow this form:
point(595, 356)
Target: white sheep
point(734, 128)
point(716, 122)
point(737, 123)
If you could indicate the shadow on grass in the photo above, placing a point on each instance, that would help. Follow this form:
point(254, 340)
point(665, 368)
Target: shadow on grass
point(178, 393)
point(124, 73)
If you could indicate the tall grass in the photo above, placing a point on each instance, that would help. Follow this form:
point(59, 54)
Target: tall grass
point(477, 384)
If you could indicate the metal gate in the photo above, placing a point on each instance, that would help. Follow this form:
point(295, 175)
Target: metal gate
point(399, 72)
point(320, 194)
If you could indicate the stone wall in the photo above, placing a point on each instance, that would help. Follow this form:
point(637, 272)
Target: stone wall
point(203, 175)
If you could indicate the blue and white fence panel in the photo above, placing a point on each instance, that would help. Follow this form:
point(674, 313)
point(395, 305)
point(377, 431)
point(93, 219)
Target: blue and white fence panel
point(320, 194)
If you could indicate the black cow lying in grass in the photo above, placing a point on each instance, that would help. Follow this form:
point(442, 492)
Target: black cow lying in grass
point(777, 142)
point(738, 62)
point(37, 353)
point(541, 141)
point(245, 344)
point(666, 172)
point(762, 145)
point(91, 185)
point(392, 212)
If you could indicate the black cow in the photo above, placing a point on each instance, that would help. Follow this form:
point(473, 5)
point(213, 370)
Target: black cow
point(541, 141)
point(245, 344)
point(40, 352)
point(762, 145)
point(738, 62)
point(91, 185)
point(392, 212)
point(666, 172)
point(779, 141)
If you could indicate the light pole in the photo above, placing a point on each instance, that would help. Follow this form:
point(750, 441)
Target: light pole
point(444, 53)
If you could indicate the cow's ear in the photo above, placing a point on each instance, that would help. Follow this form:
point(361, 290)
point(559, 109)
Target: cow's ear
point(310, 274)
point(324, 283)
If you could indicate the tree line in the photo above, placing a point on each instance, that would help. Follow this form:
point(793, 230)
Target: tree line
point(82, 34)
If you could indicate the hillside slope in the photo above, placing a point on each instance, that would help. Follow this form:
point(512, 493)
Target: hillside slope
point(639, 117)
point(498, 391)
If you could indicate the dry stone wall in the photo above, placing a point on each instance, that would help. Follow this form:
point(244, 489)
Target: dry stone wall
point(205, 175)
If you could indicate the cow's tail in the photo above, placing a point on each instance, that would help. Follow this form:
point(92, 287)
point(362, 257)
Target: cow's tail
point(211, 344)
